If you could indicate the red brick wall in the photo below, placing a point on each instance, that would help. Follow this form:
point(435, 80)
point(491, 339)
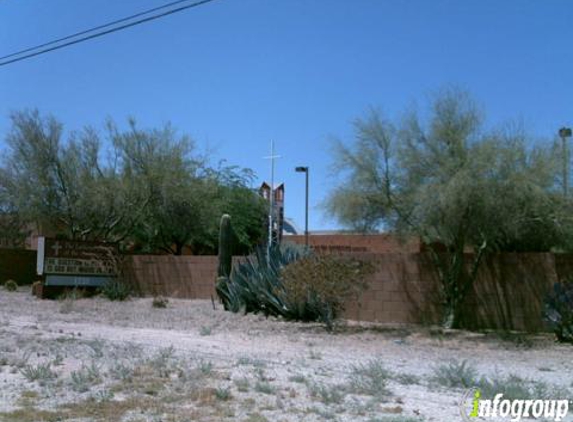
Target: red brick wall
point(508, 293)
point(371, 243)
point(191, 277)
point(400, 291)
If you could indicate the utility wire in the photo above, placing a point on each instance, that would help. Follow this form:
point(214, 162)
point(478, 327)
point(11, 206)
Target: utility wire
point(100, 34)
point(95, 28)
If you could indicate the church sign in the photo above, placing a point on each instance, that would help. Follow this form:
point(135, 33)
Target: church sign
point(76, 263)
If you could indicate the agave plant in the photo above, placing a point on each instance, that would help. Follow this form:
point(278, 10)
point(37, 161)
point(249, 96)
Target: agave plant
point(255, 284)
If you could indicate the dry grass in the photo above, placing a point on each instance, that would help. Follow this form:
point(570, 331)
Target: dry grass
point(108, 361)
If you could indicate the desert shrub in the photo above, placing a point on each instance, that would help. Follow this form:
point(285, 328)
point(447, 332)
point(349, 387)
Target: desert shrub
point(11, 285)
point(406, 379)
point(242, 384)
point(265, 387)
point(121, 371)
point(85, 377)
point(299, 378)
point(293, 283)
point(559, 310)
point(116, 289)
point(328, 394)
point(205, 330)
point(514, 387)
point(36, 287)
point(455, 374)
point(159, 302)
point(205, 367)
point(370, 378)
point(223, 394)
point(318, 286)
point(41, 372)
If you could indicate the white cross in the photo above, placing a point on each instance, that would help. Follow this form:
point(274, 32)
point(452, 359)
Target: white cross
point(56, 246)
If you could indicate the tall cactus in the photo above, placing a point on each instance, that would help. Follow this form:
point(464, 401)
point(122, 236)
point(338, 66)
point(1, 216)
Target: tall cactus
point(225, 247)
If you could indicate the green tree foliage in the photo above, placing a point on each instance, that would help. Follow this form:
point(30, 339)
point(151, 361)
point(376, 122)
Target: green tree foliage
point(147, 188)
point(13, 229)
point(48, 180)
point(454, 184)
point(163, 169)
point(247, 209)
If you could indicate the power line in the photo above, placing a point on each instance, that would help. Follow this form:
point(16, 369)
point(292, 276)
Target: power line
point(102, 33)
point(95, 28)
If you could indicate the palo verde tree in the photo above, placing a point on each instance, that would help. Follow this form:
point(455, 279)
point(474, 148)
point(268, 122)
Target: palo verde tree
point(164, 168)
point(61, 182)
point(144, 187)
point(455, 185)
point(186, 196)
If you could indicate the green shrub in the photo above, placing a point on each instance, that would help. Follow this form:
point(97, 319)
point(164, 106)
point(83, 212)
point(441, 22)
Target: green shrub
point(318, 286)
point(11, 285)
point(559, 310)
point(116, 289)
point(293, 283)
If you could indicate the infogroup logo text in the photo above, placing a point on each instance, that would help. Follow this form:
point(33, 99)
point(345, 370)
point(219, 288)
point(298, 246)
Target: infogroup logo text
point(474, 406)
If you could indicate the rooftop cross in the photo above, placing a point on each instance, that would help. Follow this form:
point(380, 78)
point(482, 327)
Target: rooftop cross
point(271, 157)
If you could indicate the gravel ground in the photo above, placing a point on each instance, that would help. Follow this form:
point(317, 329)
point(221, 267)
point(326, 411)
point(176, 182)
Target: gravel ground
point(96, 360)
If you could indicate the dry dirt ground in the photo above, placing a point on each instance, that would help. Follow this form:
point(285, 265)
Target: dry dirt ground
point(96, 360)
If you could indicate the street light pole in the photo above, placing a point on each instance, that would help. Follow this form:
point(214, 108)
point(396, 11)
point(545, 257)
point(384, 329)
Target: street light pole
point(565, 133)
point(304, 170)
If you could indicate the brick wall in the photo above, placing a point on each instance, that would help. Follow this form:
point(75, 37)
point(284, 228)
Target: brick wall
point(191, 277)
point(371, 243)
point(508, 293)
point(18, 265)
point(400, 291)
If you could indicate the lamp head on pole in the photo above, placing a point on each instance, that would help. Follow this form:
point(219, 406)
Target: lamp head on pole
point(565, 132)
point(301, 169)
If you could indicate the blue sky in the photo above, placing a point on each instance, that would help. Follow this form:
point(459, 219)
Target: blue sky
point(236, 74)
